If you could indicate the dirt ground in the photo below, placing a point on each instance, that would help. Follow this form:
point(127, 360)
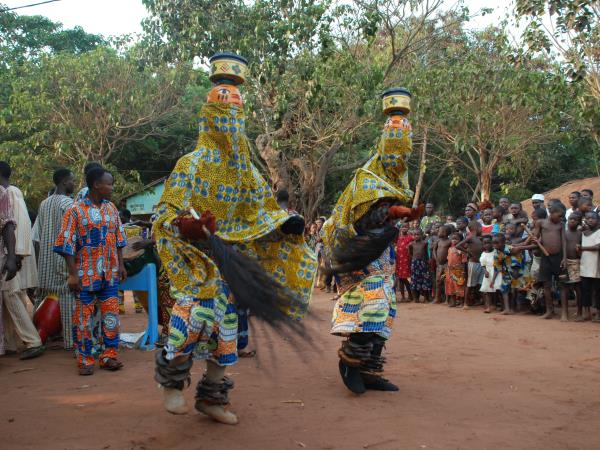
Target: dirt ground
point(467, 380)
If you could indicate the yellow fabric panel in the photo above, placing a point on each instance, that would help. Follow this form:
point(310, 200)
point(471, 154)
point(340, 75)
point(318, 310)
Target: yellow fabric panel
point(383, 176)
point(219, 176)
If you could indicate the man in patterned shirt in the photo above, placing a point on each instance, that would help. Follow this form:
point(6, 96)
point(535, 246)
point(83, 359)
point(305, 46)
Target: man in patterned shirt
point(91, 240)
point(429, 218)
point(52, 270)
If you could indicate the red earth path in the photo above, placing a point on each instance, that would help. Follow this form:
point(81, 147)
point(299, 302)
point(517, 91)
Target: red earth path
point(467, 381)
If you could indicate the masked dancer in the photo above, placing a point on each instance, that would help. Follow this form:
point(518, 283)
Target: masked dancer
point(225, 244)
point(359, 237)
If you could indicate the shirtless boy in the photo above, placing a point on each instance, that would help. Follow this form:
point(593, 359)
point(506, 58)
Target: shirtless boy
point(420, 281)
point(473, 247)
point(431, 240)
point(551, 235)
point(440, 254)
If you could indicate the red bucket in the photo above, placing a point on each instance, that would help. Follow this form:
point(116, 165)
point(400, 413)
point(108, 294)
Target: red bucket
point(47, 318)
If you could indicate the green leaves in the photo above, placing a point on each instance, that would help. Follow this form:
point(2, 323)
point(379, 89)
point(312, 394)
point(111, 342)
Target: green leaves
point(93, 106)
point(316, 72)
point(28, 38)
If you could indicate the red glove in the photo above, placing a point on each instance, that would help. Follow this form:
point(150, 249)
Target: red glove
point(193, 229)
point(400, 212)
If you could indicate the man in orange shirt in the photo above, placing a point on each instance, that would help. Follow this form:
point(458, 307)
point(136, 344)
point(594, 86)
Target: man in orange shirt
point(91, 240)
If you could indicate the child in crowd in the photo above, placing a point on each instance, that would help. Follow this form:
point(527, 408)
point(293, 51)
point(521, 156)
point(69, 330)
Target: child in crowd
point(435, 230)
point(517, 215)
point(572, 283)
point(440, 254)
point(509, 264)
point(431, 239)
point(502, 270)
point(533, 255)
point(537, 215)
point(550, 233)
point(518, 257)
point(461, 227)
point(490, 284)
point(589, 271)
point(487, 219)
point(455, 272)
point(427, 230)
point(472, 246)
point(513, 234)
point(403, 262)
point(586, 205)
point(498, 215)
point(420, 279)
point(471, 212)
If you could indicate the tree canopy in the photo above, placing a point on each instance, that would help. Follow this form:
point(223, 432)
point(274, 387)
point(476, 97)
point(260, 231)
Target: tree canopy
point(490, 117)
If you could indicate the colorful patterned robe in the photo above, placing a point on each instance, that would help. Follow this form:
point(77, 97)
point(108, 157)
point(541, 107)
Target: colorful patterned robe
point(367, 302)
point(219, 176)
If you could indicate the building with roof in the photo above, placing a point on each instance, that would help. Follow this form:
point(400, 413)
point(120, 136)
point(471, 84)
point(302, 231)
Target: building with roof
point(142, 204)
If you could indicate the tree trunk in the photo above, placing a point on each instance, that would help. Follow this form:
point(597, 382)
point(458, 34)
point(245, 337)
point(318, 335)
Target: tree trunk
point(276, 164)
point(485, 185)
point(312, 180)
point(422, 169)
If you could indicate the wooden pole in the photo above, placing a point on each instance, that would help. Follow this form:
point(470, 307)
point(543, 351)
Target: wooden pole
point(422, 170)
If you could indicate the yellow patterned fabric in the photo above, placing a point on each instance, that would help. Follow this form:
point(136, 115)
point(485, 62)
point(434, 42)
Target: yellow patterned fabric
point(219, 176)
point(133, 231)
point(384, 175)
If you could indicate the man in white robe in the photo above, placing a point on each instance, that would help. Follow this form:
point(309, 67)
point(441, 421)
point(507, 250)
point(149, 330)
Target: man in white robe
point(18, 325)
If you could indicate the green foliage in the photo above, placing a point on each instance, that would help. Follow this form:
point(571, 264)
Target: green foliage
point(490, 108)
point(498, 120)
point(67, 109)
point(574, 31)
point(26, 38)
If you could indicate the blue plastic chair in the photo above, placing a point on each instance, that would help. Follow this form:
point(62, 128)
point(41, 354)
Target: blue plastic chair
point(146, 281)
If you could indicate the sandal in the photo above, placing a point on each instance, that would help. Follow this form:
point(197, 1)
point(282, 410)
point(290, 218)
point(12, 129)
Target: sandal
point(111, 364)
point(250, 354)
point(86, 371)
point(33, 352)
